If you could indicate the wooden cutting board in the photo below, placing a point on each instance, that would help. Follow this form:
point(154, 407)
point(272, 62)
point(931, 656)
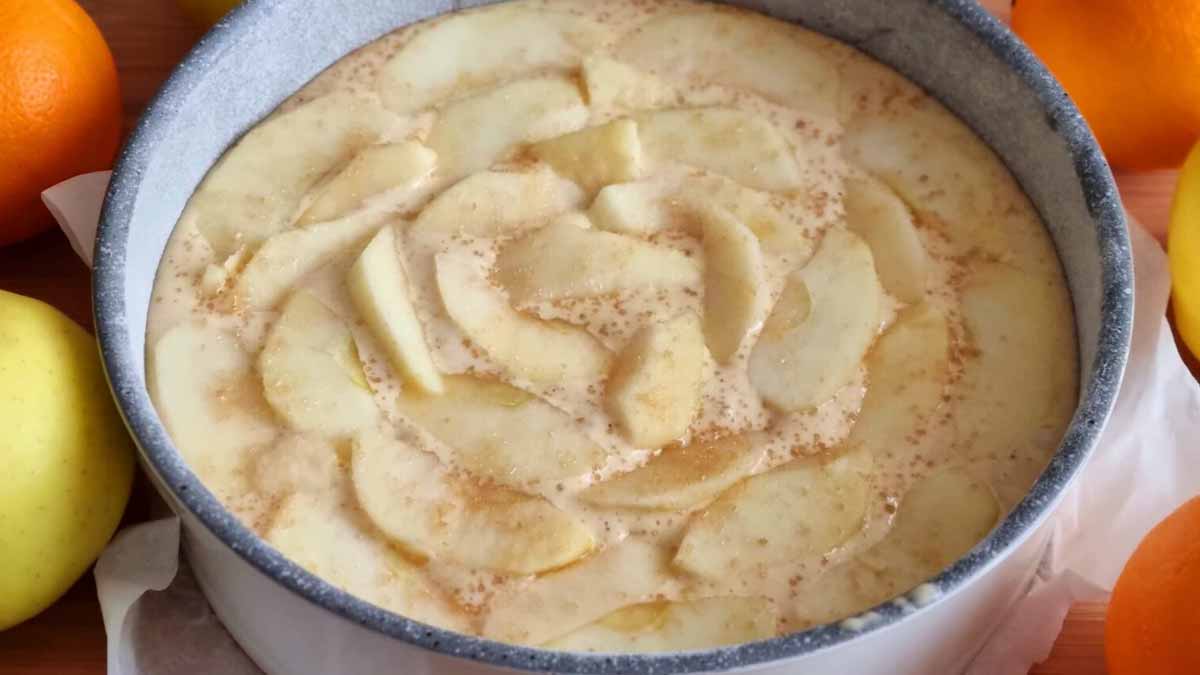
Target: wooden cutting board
point(148, 38)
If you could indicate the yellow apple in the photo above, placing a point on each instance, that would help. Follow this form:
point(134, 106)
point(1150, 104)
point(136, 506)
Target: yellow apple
point(68, 463)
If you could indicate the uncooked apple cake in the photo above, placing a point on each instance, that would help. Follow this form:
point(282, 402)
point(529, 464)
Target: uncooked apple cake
point(623, 326)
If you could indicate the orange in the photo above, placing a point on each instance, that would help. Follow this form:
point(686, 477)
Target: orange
point(1154, 615)
point(1132, 67)
point(60, 106)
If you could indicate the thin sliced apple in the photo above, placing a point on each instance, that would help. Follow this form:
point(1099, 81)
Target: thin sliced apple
point(736, 294)
point(595, 156)
point(654, 389)
point(471, 134)
point(747, 51)
point(254, 191)
point(1017, 392)
point(215, 278)
point(326, 540)
point(379, 288)
point(882, 219)
point(799, 511)
point(680, 477)
point(563, 260)
point(287, 257)
point(297, 463)
point(940, 518)
point(637, 208)
point(985, 211)
point(907, 372)
point(643, 208)
point(675, 627)
point(425, 508)
point(776, 234)
point(472, 49)
point(504, 434)
point(400, 167)
point(615, 87)
point(541, 351)
point(311, 373)
point(496, 203)
point(734, 143)
point(821, 326)
point(206, 392)
point(840, 592)
point(562, 601)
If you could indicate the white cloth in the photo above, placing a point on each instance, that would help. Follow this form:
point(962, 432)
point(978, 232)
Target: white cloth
point(1146, 465)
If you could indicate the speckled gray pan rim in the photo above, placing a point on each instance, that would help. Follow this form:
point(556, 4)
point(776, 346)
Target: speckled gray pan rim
point(984, 35)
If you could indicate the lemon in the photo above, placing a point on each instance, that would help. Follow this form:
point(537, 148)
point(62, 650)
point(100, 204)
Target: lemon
point(67, 461)
point(1183, 249)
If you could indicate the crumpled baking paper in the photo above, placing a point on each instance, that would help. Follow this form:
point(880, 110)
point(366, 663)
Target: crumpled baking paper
point(1146, 464)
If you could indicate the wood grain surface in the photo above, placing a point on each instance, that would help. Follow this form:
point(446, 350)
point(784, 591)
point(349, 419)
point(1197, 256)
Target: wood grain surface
point(148, 37)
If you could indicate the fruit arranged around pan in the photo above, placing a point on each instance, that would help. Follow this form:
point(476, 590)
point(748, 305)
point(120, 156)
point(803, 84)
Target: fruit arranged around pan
point(582, 328)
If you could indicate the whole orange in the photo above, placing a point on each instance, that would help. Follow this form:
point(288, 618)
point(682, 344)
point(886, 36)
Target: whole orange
point(1154, 616)
point(1132, 67)
point(60, 106)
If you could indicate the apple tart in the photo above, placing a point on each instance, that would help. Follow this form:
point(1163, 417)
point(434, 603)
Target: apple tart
point(613, 327)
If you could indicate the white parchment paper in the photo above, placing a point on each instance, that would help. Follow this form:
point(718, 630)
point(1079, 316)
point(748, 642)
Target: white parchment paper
point(1145, 466)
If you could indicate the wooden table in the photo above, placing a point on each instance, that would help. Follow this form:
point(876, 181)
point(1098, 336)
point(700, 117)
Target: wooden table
point(148, 37)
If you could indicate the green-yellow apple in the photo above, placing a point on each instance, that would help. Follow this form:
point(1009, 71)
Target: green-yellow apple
point(67, 461)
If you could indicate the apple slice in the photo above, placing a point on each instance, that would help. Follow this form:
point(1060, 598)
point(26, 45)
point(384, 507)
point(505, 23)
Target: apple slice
point(595, 156)
point(493, 203)
point(400, 167)
point(563, 260)
point(1017, 391)
point(734, 143)
point(206, 393)
point(472, 133)
point(675, 627)
point(713, 45)
point(776, 234)
point(256, 187)
point(680, 477)
point(378, 286)
point(877, 215)
point(432, 512)
point(639, 208)
point(907, 372)
point(297, 463)
point(504, 434)
point(289, 256)
point(800, 511)
point(986, 210)
point(544, 352)
point(653, 391)
point(940, 518)
point(558, 603)
point(325, 539)
point(215, 278)
point(736, 294)
point(471, 49)
point(311, 373)
point(615, 87)
point(643, 208)
point(821, 326)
